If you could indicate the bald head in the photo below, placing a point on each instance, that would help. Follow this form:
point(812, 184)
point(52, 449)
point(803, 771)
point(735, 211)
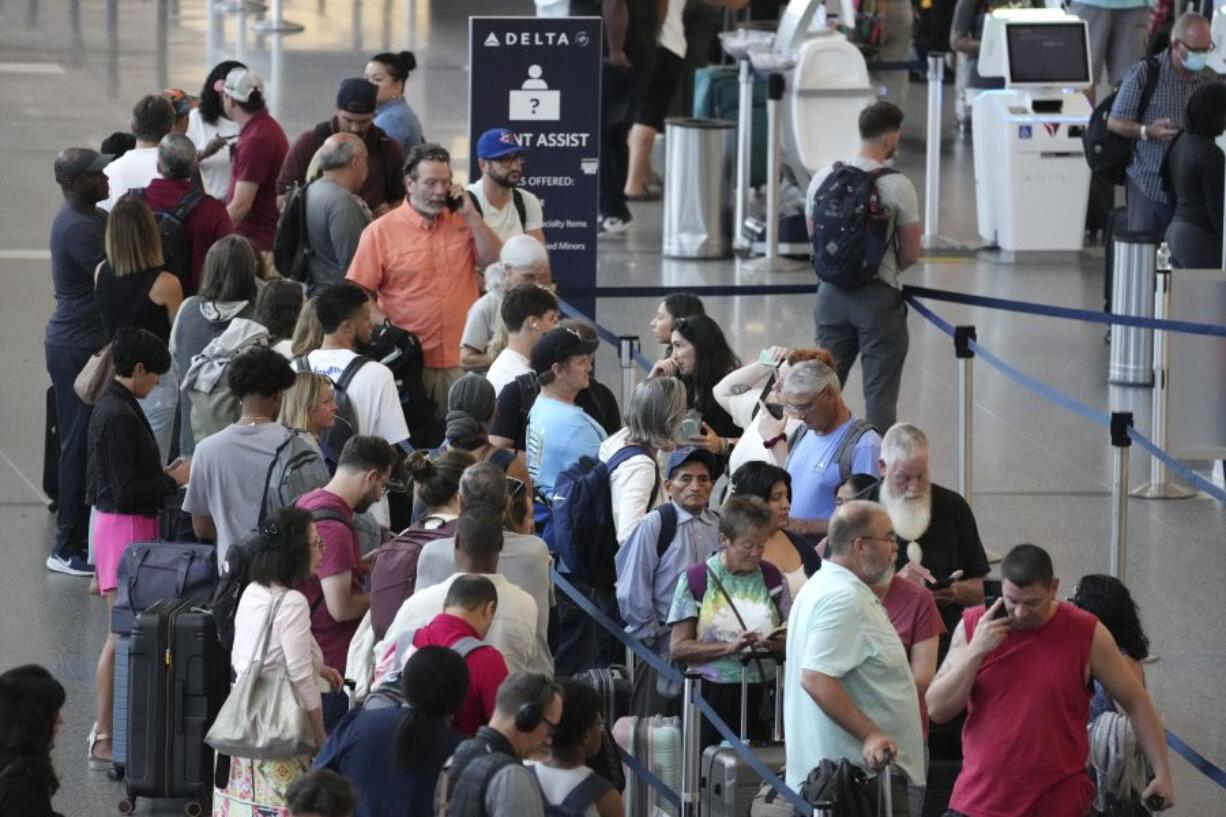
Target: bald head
point(853, 520)
point(1193, 30)
point(342, 159)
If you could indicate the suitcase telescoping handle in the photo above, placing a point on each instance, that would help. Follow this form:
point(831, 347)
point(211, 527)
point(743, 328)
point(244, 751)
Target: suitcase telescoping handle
point(885, 791)
point(777, 727)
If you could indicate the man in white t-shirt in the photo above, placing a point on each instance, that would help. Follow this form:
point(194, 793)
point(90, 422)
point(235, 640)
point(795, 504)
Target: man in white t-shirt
point(506, 208)
point(871, 320)
point(522, 260)
point(528, 311)
point(478, 544)
point(152, 118)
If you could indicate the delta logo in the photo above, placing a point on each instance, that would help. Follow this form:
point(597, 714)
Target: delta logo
point(530, 38)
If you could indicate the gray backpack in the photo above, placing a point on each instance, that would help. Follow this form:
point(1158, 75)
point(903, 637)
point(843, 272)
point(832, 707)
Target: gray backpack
point(847, 448)
point(387, 693)
point(296, 468)
point(213, 406)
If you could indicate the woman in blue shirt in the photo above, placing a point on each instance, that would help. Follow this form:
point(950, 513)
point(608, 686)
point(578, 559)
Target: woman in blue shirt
point(389, 72)
point(393, 755)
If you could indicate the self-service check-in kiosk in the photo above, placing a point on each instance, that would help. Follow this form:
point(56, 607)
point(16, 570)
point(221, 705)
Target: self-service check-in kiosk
point(1031, 177)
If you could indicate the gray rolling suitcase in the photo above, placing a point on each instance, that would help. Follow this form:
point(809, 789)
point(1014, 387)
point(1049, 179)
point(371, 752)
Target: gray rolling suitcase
point(727, 784)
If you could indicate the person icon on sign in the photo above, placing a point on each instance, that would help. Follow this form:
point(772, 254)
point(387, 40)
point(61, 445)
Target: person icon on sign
point(534, 81)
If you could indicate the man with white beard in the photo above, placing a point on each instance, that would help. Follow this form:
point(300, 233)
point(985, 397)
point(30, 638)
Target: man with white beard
point(937, 536)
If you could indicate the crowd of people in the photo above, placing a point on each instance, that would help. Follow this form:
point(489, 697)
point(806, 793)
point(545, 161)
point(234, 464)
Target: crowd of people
point(400, 571)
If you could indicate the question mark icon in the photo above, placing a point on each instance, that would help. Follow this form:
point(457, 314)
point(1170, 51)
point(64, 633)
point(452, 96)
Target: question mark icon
point(535, 103)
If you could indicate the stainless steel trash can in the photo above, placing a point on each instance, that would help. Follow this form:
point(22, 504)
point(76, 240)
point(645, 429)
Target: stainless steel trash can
point(699, 155)
point(1132, 293)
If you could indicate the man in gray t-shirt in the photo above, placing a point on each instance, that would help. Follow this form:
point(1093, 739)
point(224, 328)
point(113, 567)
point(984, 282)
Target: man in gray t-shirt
point(229, 468)
point(335, 214)
point(871, 321)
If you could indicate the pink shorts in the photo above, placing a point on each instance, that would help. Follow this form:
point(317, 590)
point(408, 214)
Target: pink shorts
point(113, 532)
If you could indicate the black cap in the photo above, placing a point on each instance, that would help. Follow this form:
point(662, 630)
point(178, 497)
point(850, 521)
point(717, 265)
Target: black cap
point(558, 344)
point(73, 162)
point(357, 96)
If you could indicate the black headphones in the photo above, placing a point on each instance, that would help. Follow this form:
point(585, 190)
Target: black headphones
point(530, 715)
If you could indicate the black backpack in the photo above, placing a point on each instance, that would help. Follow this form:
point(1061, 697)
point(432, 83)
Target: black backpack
point(333, 440)
point(400, 350)
point(517, 198)
point(852, 228)
point(230, 585)
point(1107, 153)
point(291, 252)
point(176, 252)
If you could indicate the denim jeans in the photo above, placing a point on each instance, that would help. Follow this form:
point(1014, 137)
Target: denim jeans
point(579, 643)
point(160, 407)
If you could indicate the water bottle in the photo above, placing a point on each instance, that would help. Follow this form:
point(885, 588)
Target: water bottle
point(1164, 258)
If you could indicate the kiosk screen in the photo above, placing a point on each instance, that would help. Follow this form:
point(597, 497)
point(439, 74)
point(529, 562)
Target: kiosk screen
point(1047, 53)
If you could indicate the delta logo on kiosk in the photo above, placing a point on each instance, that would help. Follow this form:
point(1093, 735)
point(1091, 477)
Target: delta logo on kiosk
point(532, 38)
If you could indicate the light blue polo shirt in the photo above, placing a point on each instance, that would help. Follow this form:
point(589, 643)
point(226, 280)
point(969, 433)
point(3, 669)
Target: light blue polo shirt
point(838, 627)
point(558, 435)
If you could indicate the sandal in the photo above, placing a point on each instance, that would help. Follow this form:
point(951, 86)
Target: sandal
point(98, 764)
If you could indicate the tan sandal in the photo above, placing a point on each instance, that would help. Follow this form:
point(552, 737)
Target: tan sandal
point(98, 764)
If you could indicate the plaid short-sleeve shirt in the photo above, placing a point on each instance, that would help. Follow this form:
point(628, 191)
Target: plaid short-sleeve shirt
point(1169, 101)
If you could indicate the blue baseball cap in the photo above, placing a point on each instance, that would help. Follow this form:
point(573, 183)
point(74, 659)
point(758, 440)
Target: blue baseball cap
point(693, 454)
point(497, 143)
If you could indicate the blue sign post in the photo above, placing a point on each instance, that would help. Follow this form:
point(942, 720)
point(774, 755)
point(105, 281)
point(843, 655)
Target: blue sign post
point(540, 77)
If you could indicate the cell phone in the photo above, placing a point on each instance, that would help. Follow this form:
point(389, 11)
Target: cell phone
point(775, 410)
point(941, 584)
point(691, 426)
point(991, 592)
point(454, 203)
point(767, 359)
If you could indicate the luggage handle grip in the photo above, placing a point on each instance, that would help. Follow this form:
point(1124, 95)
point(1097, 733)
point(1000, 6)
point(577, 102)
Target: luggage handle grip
point(138, 556)
point(185, 565)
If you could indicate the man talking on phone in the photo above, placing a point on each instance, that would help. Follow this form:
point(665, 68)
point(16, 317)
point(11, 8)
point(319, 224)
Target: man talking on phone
point(420, 262)
point(1023, 670)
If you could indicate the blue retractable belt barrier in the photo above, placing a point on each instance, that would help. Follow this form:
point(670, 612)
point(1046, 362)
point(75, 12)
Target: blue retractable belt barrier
point(897, 65)
point(1198, 761)
point(650, 779)
point(1178, 467)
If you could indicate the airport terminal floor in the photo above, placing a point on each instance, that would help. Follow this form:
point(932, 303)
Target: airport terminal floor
point(70, 71)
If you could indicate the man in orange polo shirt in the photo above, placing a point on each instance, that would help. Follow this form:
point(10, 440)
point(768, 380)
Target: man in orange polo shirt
point(420, 261)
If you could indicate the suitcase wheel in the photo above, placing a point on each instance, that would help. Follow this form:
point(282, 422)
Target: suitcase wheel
point(194, 809)
point(127, 805)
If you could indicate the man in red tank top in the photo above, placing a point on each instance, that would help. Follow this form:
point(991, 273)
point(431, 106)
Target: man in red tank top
point(1023, 669)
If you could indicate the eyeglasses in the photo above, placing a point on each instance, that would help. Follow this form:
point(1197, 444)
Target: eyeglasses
point(553, 727)
point(891, 539)
point(516, 486)
point(1206, 50)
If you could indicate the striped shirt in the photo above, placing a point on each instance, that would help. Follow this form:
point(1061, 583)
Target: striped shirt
point(1169, 101)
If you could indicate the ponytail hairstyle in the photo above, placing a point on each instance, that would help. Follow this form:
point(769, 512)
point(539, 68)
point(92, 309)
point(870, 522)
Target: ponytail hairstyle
point(438, 480)
point(434, 682)
point(30, 702)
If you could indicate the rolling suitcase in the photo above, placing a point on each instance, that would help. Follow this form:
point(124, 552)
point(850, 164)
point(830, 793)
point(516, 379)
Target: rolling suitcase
point(655, 743)
point(613, 685)
point(727, 784)
point(178, 678)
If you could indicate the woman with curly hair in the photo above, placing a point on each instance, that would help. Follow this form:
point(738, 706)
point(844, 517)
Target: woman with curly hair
point(30, 717)
point(1109, 600)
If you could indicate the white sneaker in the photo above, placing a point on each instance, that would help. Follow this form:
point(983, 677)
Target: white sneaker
point(75, 566)
point(612, 225)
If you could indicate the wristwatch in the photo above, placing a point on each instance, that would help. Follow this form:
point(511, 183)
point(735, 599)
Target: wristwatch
point(1144, 134)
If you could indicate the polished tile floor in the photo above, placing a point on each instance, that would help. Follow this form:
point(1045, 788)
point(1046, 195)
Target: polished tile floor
point(72, 69)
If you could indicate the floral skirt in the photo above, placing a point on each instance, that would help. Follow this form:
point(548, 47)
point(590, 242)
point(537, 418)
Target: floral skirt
point(257, 787)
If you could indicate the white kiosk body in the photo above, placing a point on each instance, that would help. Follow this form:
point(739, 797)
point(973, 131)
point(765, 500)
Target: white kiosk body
point(1031, 178)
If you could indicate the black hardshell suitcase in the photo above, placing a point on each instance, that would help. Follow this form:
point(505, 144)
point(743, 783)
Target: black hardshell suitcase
point(178, 680)
point(727, 784)
point(613, 685)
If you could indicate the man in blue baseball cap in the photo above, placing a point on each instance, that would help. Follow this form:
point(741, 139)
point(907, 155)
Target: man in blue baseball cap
point(506, 208)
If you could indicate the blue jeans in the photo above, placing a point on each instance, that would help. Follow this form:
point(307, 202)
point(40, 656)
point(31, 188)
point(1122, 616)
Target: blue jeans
point(579, 643)
point(64, 363)
point(160, 407)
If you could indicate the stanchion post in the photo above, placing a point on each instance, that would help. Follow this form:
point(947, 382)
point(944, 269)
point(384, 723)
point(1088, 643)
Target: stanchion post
point(627, 349)
point(774, 98)
point(691, 744)
point(1159, 486)
point(277, 24)
point(932, 155)
point(744, 141)
point(963, 335)
point(1121, 445)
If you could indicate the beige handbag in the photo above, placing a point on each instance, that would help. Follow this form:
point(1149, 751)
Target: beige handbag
point(263, 719)
point(94, 376)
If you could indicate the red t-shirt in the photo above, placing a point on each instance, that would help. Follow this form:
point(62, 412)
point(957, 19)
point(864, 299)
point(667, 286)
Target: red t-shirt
point(486, 670)
point(913, 612)
point(258, 153)
point(208, 222)
point(341, 553)
point(1025, 744)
